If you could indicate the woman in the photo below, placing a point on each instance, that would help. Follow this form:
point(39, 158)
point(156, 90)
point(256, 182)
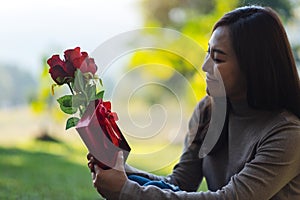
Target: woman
point(257, 155)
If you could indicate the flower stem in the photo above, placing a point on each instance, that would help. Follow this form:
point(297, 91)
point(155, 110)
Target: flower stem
point(70, 88)
point(73, 93)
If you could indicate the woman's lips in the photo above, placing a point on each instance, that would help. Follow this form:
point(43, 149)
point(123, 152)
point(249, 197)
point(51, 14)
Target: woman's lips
point(209, 78)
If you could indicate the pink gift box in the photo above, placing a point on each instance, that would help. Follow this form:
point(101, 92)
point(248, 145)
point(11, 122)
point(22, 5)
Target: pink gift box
point(101, 135)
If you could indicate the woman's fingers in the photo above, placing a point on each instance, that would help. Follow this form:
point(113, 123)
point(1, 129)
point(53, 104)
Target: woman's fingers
point(120, 162)
point(97, 169)
point(91, 163)
point(97, 176)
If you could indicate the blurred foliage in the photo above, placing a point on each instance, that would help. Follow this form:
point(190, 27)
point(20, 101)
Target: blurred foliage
point(16, 86)
point(297, 53)
point(176, 13)
point(194, 19)
point(283, 7)
point(43, 102)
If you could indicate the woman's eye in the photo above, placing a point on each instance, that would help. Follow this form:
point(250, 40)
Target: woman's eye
point(216, 60)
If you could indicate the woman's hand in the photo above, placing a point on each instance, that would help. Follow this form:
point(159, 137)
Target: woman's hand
point(109, 182)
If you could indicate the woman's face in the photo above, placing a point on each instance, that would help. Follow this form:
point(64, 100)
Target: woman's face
point(222, 68)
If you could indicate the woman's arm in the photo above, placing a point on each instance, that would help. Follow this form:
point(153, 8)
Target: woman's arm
point(275, 164)
point(134, 171)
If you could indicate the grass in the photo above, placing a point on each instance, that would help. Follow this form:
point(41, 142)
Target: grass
point(31, 172)
point(48, 170)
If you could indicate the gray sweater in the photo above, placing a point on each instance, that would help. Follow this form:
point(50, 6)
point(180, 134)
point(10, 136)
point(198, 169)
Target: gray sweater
point(257, 157)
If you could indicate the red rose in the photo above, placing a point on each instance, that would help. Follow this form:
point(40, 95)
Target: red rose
point(85, 64)
point(63, 71)
point(79, 62)
point(58, 70)
point(71, 55)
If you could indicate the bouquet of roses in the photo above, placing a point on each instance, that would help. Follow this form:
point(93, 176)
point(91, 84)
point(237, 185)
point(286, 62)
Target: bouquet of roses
point(96, 124)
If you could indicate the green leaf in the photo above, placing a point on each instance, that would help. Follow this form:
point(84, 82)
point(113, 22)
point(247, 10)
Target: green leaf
point(65, 101)
point(69, 110)
point(100, 95)
point(100, 81)
point(66, 104)
point(71, 122)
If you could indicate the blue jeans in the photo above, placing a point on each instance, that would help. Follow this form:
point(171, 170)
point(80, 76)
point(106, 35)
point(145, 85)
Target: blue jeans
point(145, 181)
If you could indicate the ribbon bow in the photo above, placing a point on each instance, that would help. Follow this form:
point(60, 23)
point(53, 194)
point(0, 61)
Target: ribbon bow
point(107, 120)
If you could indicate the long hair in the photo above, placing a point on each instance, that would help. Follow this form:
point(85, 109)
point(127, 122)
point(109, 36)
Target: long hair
point(265, 57)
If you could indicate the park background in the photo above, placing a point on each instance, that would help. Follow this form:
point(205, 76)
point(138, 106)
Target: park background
point(38, 158)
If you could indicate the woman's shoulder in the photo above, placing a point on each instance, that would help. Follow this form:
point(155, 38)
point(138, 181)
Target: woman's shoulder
point(282, 138)
point(283, 125)
point(285, 120)
point(287, 117)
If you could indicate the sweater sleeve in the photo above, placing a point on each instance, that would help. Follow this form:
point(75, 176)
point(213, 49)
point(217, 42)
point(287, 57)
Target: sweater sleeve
point(187, 174)
point(133, 171)
point(276, 163)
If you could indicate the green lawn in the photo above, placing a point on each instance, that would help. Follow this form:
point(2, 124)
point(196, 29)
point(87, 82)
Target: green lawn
point(36, 172)
point(47, 170)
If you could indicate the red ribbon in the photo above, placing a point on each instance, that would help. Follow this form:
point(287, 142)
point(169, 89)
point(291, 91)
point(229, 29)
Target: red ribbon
point(107, 120)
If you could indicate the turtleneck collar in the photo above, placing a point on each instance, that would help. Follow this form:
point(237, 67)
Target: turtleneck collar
point(242, 108)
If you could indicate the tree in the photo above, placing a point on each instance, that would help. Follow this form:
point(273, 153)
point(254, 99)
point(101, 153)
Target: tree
point(16, 86)
point(283, 7)
point(43, 103)
point(195, 19)
point(192, 18)
point(175, 13)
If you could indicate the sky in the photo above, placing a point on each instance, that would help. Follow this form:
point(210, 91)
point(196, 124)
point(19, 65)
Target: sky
point(33, 29)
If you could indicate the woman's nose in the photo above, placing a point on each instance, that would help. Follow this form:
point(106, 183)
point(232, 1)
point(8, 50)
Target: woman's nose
point(208, 65)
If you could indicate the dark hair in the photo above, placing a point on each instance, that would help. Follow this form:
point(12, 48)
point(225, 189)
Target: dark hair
point(265, 57)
